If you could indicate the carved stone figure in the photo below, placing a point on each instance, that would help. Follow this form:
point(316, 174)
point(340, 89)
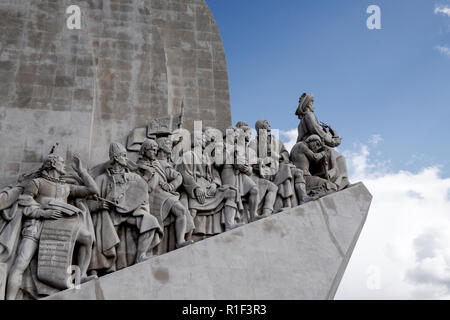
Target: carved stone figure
point(324, 168)
point(212, 204)
point(125, 231)
point(237, 172)
point(51, 226)
point(309, 124)
point(306, 159)
point(9, 222)
point(334, 164)
point(10, 227)
point(274, 165)
point(163, 181)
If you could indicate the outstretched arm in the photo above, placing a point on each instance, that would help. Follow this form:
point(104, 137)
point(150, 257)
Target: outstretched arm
point(89, 188)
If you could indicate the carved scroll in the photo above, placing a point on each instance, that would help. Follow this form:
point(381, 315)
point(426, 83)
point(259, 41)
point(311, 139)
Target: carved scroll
point(56, 248)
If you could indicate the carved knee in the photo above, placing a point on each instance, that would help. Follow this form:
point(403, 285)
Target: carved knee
point(178, 210)
point(85, 238)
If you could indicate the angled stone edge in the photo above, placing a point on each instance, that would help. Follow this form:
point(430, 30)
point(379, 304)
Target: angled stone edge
point(300, 253)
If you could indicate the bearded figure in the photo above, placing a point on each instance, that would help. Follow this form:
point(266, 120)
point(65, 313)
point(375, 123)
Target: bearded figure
point(48, 223)
point(212, 204)
point(125, 230)
point(163, 181)
point(273, 164)
point(309, 124)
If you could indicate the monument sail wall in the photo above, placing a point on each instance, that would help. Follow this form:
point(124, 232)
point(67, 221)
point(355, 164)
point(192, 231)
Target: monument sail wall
point(130, 62)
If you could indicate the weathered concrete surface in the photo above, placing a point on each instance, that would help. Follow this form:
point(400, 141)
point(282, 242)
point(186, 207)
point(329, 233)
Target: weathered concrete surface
point(301, 253)
point(132, 60)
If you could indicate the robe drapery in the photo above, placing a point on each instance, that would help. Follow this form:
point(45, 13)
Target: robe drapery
point(116, 238)
point(161, 202)
point(283, 173)
point(199, 171)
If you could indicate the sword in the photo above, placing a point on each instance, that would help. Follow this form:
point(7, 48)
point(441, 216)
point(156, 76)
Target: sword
point(110, 202)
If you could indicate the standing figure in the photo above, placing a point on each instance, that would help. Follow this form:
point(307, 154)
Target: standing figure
point(238, 172)
point(45, 198)
point(267, 190)
point(163, 181)
point(126, 232)
point(309, 124)
point(212, 204)
point(274, 165)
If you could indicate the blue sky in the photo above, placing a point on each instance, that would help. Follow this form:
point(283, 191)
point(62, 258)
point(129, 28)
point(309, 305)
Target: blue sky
point(392, 82)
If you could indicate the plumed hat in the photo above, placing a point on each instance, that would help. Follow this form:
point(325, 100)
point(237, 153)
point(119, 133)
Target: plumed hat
point(304, 100)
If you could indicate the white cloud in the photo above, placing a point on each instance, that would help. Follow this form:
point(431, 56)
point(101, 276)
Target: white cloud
point(443, 50)
point(444, 10)
point(406, 239)
point(289, 138)
point(376, 139)
point(406, 236)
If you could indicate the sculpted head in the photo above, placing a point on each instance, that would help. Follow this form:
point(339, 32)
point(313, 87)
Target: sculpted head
point(54, 162)
point(118, 153)
point(262, 125)
point(212, 135)
point(165, 144)
point(198, 139)
point(149, 149)
point(314, 143)
point(305, 104)
point(246, 128)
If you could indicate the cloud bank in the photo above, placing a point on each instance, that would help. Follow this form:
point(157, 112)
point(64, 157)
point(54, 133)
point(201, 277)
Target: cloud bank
point(443, 10)
point(443, 50)
point(404, 249)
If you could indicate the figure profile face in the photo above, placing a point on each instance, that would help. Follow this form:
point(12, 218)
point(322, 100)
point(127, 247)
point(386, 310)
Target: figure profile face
point(59, 165)
point(200, 140)
point(166, 146)
point(121, 158)
point(151, 152)
point(311, 105)
point(267, 126)
point(247, 132)
point(315, 145)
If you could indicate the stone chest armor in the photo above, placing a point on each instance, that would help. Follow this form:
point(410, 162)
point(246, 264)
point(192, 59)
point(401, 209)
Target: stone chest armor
point(49, 190)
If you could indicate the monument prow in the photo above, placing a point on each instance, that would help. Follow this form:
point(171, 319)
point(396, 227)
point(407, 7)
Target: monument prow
point(299, 253)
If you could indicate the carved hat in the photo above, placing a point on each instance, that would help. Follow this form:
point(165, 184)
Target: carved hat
point(116, 148)
point(147, 144)
point(241, 124)
point(260, 124)
point(304, 100)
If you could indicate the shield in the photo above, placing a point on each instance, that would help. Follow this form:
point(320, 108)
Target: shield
point(134, 194)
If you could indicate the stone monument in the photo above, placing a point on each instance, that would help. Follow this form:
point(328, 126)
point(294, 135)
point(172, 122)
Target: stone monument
point(162, 205)
point(130, 62)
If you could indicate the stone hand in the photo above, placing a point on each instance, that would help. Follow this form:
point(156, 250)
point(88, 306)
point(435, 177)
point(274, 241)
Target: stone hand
point(77, 165)
point(51, 214)
point(201, 195)
point(167, 186)
point(104, 205)
point(212, 189)
point(242, 168)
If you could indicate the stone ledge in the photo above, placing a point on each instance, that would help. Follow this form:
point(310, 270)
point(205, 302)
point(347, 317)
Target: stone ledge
point(300, 253)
